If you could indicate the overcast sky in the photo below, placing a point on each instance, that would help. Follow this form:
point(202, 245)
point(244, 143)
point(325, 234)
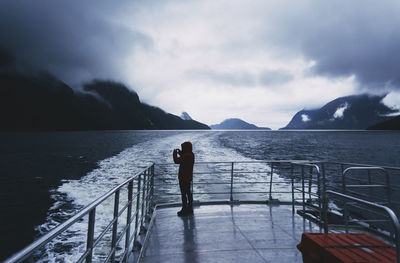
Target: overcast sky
point(261, 61)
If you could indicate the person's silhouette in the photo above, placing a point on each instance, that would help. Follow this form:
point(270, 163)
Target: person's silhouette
point(185, 176)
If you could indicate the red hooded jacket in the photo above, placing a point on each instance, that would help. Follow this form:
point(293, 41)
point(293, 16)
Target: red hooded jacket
point(185, 161)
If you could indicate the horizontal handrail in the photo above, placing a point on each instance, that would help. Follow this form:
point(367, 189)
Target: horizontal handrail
point(229, 162)
point(369, 185)
point(46, 238)
point(387, 210)
point(364, 168)
point(305, 177)
point(295, 161)
point(360, 164)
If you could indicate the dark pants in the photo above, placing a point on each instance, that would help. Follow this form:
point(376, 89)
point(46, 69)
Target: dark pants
point(187, 197)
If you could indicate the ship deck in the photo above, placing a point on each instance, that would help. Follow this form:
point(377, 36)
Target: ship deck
point(242, 226)
point(227, 233)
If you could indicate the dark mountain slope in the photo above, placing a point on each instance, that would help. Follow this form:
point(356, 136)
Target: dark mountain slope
point(391, 124)
point(45, 103)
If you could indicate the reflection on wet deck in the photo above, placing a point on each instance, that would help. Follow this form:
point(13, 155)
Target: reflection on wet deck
point(224, 233)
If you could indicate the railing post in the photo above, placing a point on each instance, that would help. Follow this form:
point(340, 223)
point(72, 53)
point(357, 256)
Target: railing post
point(115, 226)
point(231, 197)
point(325, 214)
point(137, 207)
point(303, 188)
point(128, 219)
point(191, 187)
point(389, 192)
point(292, 179)
point(310, 183)
point(145, 189)
point(90, 235)
point(396, 230)
point(346, 217)
point(270, 181)
point(148, 191)
point(322, 188)
point(343, 179)
point(152, 184)
point(369, 183)
point(319, 194)
point(343, 184)
point(143, 200)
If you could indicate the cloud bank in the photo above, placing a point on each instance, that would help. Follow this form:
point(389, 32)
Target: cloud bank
point(260, 61)
point(75, 40)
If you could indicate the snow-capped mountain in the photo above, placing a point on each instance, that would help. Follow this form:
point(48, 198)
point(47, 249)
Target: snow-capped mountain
point(350, 112)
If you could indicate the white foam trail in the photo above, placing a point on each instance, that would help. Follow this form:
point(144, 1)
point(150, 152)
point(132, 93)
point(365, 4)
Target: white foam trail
point(111, 172)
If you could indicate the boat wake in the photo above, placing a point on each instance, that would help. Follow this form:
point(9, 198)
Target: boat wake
point(73, 195)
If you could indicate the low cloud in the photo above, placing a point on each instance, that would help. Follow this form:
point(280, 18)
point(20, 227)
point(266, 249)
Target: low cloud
point(305, 118)
point(340, 111)
point(274, 77)
point(244, 79)
point(214, 59)
point(345, 38)
point(75, 40)
point(229, 78)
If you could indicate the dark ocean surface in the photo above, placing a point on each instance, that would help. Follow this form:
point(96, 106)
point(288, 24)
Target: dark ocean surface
point(34, 163)
point(370, 147)
point(43, 174)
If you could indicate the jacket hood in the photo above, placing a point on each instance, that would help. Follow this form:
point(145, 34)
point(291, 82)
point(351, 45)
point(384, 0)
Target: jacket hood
point(187, 147)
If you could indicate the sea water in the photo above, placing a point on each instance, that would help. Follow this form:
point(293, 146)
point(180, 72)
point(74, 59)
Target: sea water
point(70, 195)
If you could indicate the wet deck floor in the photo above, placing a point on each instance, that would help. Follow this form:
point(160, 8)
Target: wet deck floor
point(224, 233)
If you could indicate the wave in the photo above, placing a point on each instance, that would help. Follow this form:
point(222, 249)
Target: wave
point(73, 195)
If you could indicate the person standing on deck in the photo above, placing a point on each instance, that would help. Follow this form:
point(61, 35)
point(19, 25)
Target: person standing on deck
point(185, 176)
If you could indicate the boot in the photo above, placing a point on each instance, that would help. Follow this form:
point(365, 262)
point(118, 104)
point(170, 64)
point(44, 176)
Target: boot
point(182, 212)
point(190, 209)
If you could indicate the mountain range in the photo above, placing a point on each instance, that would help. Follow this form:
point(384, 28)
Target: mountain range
point(236, 124)
point(43, 102)
point(350, 112)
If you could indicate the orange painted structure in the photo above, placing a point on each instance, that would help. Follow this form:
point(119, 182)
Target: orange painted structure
point(342, 247)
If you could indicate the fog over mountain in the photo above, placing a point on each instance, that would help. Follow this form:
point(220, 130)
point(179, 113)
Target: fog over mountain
point(43, 102)
point(273, 58)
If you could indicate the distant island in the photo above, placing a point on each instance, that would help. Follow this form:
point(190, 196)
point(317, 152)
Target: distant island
point(236, 124)
point(44, 103)
point(350, 112)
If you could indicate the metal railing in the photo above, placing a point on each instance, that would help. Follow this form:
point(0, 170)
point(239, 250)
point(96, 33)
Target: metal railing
point(141, 198)
point(392, 216)
point(369, 185)
point(295, 183)
point(301, 183)
point(305, 180)
point(268, 181)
